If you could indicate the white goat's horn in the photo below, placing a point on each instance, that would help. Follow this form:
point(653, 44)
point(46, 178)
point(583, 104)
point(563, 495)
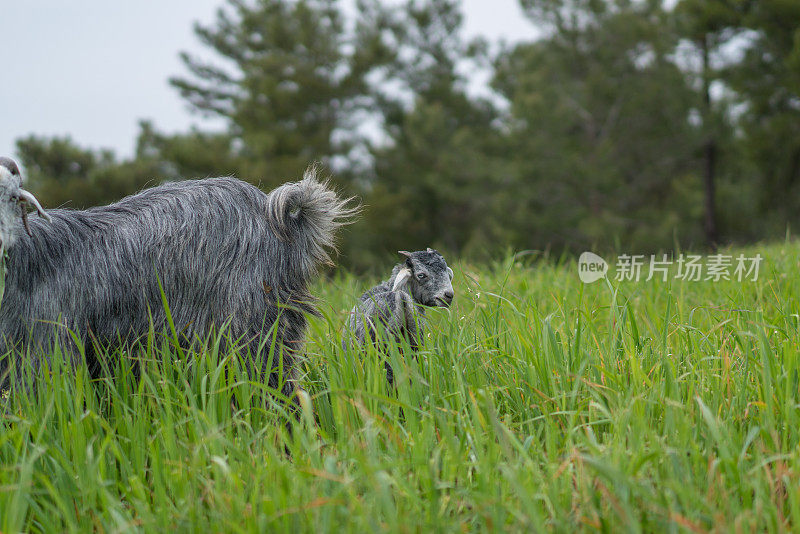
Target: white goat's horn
point(402, 277)
point(26, 196)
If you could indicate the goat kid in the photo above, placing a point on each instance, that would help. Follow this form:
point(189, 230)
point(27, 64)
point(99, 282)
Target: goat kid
point(398, 304)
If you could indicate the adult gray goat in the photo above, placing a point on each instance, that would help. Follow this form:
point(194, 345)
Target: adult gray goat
point(398, 304)
point(224, 252)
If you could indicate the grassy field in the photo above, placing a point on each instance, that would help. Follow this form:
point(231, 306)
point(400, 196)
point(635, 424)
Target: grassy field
point(538, 403)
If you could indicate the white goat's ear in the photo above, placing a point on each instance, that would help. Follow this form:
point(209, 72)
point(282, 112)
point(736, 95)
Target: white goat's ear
point(404, 253)
point(402, 277)
point(450, 272)
point(430, 249)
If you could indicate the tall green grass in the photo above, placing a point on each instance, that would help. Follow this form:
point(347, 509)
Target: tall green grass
point(537, 403)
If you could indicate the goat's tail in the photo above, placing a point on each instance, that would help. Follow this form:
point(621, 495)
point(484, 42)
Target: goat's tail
point(306, 214)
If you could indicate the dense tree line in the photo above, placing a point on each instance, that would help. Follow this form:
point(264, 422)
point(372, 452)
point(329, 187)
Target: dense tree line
point(641, 125)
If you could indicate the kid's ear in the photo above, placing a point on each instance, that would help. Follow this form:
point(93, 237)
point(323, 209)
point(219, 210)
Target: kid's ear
point(408, 257)
point(402, 278)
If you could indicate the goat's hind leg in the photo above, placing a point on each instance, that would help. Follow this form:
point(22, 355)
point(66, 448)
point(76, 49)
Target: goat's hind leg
point(267, 361)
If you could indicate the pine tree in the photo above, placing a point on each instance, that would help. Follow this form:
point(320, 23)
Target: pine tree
point(435, 164)
point(284, 79)
point(601, 147)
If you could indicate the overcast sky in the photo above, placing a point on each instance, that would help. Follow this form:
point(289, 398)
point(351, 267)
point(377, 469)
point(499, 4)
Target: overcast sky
point(93, 68)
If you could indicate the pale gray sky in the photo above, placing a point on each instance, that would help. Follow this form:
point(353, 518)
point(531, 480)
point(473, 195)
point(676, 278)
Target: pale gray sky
point(93, 68)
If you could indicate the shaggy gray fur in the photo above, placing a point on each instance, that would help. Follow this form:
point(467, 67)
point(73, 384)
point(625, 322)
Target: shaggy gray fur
point(398, 304)
point(223, 251)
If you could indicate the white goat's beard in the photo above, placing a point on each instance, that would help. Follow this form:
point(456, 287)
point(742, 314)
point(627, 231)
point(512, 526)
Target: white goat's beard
point(10, 226)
